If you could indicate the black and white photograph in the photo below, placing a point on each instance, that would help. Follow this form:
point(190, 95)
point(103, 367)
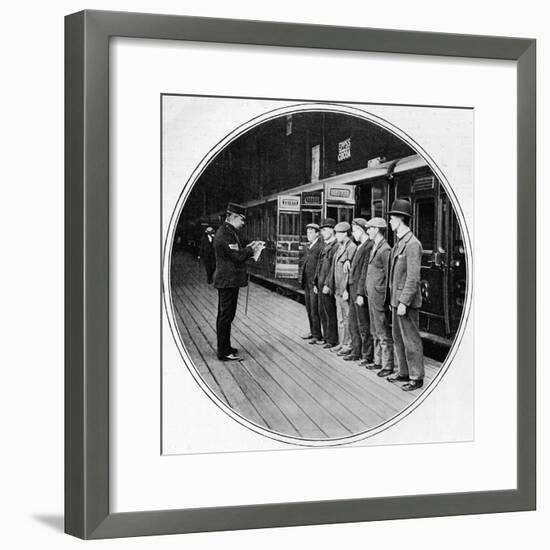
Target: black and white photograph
point(274, 276)
point(317, 273)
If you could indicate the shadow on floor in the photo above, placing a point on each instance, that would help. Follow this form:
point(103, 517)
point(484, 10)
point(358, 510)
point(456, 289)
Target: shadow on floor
point(55, 522)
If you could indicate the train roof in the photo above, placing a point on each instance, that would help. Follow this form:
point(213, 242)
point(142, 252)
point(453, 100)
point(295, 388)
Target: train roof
point(409, 163)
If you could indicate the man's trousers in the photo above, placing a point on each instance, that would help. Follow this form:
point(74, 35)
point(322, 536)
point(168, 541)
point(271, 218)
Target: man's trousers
point(407, 344)
point(227, 306)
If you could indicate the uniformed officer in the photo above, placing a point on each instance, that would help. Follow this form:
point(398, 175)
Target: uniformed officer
point(231, 254)
point(206, 253)
point(313, 304)
point(376, 285)
point(359, 325)
point(405, 299)
point(339, 284)
point(329, 321)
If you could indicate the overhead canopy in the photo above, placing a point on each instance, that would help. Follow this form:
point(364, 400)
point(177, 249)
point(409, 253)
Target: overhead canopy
point(409, 163)
point(351, 178)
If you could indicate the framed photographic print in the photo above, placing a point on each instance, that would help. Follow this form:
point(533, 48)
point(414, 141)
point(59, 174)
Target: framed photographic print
point(300, 274)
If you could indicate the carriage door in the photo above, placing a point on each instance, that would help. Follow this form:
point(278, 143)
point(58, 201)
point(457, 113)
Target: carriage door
point(288, 237)
point(311, 212)
point(427, 218)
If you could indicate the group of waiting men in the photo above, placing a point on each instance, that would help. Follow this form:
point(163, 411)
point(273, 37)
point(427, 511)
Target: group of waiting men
point(352, 279)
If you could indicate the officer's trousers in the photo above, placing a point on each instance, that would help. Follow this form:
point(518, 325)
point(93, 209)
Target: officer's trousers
point(227, 306)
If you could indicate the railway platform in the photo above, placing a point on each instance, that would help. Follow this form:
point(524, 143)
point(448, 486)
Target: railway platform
point(283, 383)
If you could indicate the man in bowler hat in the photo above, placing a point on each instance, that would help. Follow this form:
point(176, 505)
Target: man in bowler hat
point(206, 253)
point(323, 278)
point(405, 299)
point(359, 326)
point(312, 253)
point(376, 286)
point(231, 254)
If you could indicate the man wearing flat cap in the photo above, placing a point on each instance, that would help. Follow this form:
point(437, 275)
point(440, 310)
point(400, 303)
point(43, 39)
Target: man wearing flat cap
point(231, 252)
point(206, 253)
point(313, 300)
point(340, 284)
point(376, 287)
point(359, 326)
point(405, 299)
point(323, 278)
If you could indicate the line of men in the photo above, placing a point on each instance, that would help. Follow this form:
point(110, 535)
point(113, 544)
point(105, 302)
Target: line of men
point(352, 278)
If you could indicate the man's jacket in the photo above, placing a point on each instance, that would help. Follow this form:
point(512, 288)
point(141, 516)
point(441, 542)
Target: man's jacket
point(231, 255)
point(404, 276)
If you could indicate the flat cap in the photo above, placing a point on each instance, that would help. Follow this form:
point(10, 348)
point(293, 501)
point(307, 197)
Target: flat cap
point(361, 222)
point(328, 222)
point(377, 222)
point(342, 227)
point(313, 226)
point(234, 208)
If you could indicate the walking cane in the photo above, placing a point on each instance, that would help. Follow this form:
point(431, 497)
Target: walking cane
point(247, 293)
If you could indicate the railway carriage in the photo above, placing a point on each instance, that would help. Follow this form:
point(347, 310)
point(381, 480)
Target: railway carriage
point(281, 219)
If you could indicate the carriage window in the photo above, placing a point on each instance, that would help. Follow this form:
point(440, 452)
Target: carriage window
point(403, 189)
point(310, 216)
point(332, 212)
point(345, 214)
point(288, 224)
point(425, 222)
point(378, 209)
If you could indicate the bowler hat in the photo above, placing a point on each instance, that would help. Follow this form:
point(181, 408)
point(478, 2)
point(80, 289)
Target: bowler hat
point(328, 222)
point(377, 222)
point(402, 207)
point(342, 227)
point(361, 222)
point(313, 226)
point(234, 208)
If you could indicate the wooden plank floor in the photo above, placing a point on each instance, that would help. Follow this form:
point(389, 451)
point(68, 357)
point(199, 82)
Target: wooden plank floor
point(283, 383)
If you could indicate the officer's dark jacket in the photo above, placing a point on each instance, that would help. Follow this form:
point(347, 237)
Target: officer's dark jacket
point(231, 254)
point(377, 275)
point(358, 270)
point(324, 267)
point(206, 249)
point(311, 261)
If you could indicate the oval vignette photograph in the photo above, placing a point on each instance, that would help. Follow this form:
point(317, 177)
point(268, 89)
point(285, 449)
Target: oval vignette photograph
point(316, 274)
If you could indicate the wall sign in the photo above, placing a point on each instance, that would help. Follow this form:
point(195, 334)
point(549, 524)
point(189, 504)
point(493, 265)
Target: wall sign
point(344, 150)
